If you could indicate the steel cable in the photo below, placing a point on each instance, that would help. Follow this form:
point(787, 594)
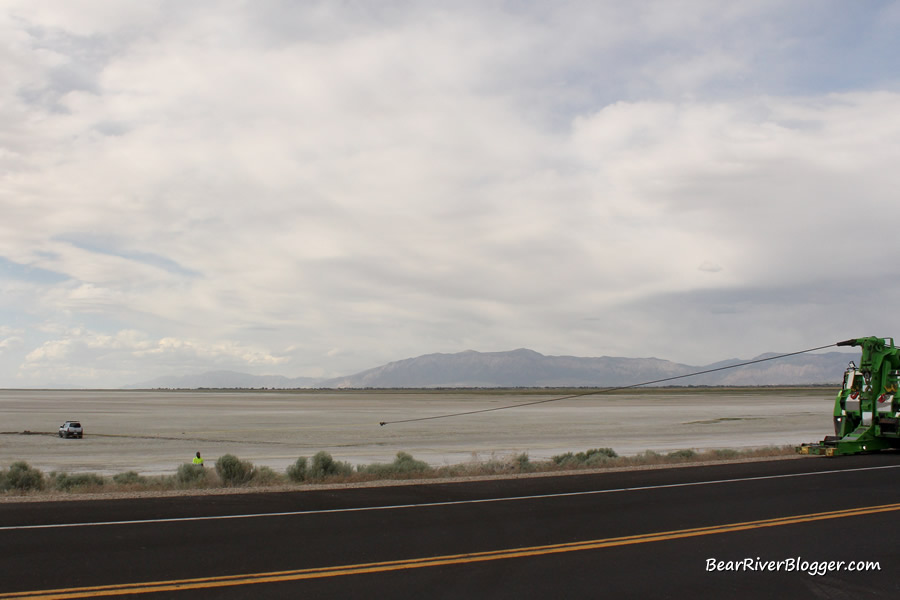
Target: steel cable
point(607, 390)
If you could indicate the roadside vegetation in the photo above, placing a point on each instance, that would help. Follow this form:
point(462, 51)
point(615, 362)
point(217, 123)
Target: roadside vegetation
point(230, 471)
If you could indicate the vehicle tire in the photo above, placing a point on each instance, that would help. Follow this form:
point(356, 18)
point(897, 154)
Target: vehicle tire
point(60, 434)
point(80, 435)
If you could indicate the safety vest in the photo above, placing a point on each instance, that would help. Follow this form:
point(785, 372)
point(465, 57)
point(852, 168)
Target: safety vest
point(198, 460)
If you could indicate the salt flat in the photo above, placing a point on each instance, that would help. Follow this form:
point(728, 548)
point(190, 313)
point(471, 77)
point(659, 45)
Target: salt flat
point(153, 432)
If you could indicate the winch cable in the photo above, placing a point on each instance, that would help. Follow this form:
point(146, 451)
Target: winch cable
point(607, 390)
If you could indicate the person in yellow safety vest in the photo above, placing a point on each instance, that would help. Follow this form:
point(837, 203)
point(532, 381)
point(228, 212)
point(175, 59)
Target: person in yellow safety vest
point(198, 460)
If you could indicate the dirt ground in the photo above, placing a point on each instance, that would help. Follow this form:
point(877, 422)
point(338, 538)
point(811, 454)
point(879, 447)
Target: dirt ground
point(152, 432)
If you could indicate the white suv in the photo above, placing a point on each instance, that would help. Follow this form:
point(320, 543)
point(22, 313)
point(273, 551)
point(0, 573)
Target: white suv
point(71, 429)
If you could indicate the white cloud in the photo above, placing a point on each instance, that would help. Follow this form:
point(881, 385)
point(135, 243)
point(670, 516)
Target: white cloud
point(84, 357)
point(709, 267)
point(10, 342)
point(49, 351)
point(260, 187)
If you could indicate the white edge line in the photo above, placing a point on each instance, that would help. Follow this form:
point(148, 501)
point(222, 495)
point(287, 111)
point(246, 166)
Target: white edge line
point(447, 503)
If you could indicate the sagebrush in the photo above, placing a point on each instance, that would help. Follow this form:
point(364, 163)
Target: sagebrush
point(21, 478)
point(234, 471)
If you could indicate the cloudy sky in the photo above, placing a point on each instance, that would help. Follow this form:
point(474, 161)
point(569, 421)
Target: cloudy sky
point(317, 188)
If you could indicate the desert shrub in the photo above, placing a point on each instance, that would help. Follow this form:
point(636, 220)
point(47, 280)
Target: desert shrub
point(595, 456)
point(685, 454)
point(491, 466)
point(297, 471)
point(234, 471)
point(129, 477)
point(591, 457)
point(190, 474)
point(65, 482)
point(21, 476)
point(404, 464)
point(521, 463)
point(563, 459)
point(647, 457)
point(725, 453)
point(323, 465)
point(264, 476)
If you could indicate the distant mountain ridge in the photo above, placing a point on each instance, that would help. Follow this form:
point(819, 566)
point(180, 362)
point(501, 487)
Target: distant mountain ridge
point(527, 368)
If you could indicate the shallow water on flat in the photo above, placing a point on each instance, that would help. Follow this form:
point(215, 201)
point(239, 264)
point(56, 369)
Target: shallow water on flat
point(153, 432)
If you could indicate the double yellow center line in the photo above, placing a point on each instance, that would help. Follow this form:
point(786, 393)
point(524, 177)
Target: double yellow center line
point(434, 561)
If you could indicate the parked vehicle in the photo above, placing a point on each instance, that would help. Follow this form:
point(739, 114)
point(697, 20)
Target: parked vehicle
point(71, 429)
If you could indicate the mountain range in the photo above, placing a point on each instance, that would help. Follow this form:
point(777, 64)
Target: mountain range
point(527, 368)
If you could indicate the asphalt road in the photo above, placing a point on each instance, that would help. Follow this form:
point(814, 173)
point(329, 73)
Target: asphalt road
point(636, 534)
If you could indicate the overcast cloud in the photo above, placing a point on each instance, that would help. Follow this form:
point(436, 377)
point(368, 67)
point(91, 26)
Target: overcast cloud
point(314, 189)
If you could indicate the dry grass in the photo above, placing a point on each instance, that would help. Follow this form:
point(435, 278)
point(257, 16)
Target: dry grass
point(406, 468)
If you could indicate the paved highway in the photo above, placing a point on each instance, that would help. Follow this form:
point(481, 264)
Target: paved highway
point(639, 534)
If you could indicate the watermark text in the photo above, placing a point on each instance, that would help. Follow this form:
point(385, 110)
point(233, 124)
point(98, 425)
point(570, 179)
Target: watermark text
point(791, 565)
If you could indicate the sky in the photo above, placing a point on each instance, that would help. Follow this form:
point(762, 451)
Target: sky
point(312, 189)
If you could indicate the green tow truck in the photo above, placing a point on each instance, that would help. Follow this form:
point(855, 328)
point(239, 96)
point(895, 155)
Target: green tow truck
point(866, 409)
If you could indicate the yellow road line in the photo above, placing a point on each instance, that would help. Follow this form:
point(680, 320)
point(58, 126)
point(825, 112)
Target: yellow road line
point(435, 561)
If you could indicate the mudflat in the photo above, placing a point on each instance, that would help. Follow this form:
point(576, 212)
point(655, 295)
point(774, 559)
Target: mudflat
point(152, 432)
